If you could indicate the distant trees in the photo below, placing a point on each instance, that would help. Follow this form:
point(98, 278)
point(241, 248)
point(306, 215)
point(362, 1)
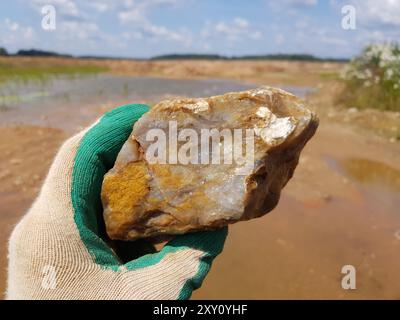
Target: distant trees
point(3, 52)
point(279, 56)
point(190, 56)
point(41, 53)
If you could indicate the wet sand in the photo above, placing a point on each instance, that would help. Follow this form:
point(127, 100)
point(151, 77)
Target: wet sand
point(326, 219)
point(341, 207)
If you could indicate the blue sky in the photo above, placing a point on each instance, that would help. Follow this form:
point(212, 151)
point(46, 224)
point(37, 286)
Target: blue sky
point(144, 28)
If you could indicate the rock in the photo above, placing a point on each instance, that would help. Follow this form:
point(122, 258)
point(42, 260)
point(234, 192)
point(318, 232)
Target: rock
point(185, 184)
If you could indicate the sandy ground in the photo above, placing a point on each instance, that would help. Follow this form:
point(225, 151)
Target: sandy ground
point(340, 208)
point(26, 153)
point(270, 72)
point(325, 220)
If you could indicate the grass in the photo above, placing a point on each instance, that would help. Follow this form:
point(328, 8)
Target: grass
point(376, 97)
point(372, 79)
point(330, 75)
point(41, 70)
point(29, 69)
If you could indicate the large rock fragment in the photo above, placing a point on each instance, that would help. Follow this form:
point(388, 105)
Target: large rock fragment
point(200, 164)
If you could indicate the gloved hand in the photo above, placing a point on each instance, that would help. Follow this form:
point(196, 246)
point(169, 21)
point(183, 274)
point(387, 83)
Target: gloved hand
point(57, 250)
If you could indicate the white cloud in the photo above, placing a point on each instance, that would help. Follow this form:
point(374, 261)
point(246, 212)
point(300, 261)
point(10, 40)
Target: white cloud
point(301, 2)
point(144, 5)
point(81, 30)
point(133, 15)
point(12, 34)
point(164, 33)
point(77, 24)
point(65, 7)
point(241, 22)
point(383, 11)
point(137, 17)
point(291, 5)
point(236, 30)
point(101, 6)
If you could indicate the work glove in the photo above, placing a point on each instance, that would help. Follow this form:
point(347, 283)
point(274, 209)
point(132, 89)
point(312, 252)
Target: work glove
point(59, 249)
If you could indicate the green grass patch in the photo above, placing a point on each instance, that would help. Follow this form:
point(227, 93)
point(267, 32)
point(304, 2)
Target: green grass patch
point(376, 96)
point(329, 75)
point(26, 72)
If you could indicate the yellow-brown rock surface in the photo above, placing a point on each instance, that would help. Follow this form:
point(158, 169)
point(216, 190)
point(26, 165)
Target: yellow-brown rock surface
point(143, 195)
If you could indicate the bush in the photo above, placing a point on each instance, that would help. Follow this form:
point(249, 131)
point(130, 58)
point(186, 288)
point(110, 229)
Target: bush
point(372, 80)
point(3, 52)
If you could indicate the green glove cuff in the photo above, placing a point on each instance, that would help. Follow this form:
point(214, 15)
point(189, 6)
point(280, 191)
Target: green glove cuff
point(96, 154)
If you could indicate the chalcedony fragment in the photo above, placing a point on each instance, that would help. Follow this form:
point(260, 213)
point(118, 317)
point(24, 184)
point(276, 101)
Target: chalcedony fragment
point(184, 169)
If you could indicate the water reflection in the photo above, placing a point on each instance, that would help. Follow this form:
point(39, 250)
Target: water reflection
point(69, 97)
point(372, 172)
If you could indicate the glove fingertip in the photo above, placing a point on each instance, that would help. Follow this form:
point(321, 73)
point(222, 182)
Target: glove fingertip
point(131, 112)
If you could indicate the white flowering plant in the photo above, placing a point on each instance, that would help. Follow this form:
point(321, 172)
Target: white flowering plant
point(373, 78)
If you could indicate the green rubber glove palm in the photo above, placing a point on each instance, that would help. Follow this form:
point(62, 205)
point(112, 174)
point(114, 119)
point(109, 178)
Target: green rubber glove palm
point(58, 250)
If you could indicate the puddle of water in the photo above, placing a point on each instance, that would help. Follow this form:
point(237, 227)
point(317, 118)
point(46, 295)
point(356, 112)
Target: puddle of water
point(377, 181)
point(67, 98)
point(13, 99)
point(99, 87)
point(367, 172)
point(109, 86)
point(372, 172)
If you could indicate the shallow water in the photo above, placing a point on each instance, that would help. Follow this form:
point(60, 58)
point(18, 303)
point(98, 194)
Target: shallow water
point(372, 172)
point(89, 88)
point(368, 174)
point(86, 89)
point(38, 102)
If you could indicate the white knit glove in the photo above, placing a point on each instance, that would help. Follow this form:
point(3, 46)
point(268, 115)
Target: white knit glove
point(59, 251)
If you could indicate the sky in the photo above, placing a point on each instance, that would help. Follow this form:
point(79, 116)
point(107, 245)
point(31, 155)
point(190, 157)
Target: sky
point(145, 28)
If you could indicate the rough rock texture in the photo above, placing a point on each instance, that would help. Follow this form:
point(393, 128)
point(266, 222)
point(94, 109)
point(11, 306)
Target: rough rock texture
point(142, 198)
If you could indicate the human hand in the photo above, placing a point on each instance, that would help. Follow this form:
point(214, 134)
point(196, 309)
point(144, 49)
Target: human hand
point(59, 251)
